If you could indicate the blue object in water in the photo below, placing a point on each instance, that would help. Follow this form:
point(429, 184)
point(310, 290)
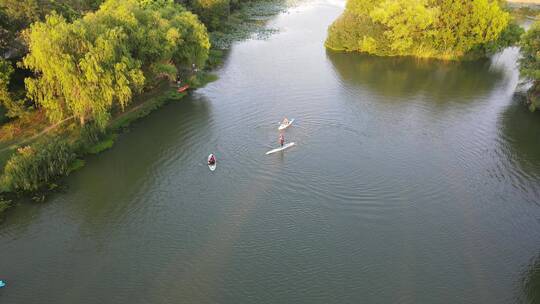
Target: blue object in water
point(2, 283)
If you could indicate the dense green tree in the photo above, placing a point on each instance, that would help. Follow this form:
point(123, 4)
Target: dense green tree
point(85, 68)
point(22, 13)
point(510, 36)
point(14, 107)
point(6, 34)
point(464, 24)
point(16, 15)
point(530, 62)
point(426, 28)
point(212, 12)
point(5, 73)
point(405, 22)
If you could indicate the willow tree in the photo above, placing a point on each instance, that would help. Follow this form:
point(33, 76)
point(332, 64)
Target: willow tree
point(87, 67)
point(77, 74)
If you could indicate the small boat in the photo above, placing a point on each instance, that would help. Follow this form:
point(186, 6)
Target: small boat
point(2, 284)
point(283, 126)
point(280, 148)
point(183, 88)
point(213, 166)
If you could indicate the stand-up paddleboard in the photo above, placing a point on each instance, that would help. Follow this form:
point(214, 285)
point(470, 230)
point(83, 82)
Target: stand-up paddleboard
point(285, 126)
point(212, 167)
point(2, 284)
point(280, 148)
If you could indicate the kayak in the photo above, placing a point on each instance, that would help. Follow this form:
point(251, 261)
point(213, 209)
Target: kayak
point(212, 167)
point(2, 284)
point(183, 89)
point(280, 148)
point(285, 126)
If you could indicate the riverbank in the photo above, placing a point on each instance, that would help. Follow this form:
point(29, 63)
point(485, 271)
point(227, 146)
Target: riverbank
point(247, 21)
point(527, 2)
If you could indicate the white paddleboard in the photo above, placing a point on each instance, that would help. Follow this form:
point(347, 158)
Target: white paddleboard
point(211, 167)
point(285, 126)
point(280, 148)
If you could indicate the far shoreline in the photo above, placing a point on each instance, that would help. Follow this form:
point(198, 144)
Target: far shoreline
point(524, 1)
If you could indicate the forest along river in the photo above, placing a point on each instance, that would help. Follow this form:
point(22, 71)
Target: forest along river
point(412, 181)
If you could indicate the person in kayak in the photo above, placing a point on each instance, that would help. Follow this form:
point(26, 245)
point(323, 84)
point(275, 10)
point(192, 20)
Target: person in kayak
point(281, 139)
point(212, 160)
point(285, 121)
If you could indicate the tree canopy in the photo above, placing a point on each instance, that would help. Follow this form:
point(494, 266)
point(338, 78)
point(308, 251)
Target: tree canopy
point(530, 62)
point(14, 107)
point(86, 67)
point(16, 15)
point(212, 12)
point(5, 73)
point(446, 29)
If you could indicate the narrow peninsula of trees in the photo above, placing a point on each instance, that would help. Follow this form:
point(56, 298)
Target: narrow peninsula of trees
point(446, 29)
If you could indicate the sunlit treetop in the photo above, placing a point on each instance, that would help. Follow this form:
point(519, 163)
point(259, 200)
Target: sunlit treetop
point(85, 67)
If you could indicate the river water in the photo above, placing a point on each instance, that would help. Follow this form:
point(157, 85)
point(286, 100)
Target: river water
point(412, 181)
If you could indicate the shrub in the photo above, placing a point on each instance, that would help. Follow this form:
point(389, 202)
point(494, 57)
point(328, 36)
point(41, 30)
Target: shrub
point(33, 167)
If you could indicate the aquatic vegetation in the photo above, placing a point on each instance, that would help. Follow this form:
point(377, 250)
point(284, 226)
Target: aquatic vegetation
point(76, 165)
point(4, 205)
point(102, 145)
point(247, 21)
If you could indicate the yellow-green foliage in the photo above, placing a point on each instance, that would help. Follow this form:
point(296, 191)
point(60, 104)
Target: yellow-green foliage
point(86, 67)
point(446, 29)
point(212, 12)
point(405, 22)
point(530, 62)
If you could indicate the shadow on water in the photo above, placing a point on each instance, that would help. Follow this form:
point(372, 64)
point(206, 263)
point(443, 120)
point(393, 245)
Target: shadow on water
point(521, 133)
point(531, 283)
point(408, 77)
